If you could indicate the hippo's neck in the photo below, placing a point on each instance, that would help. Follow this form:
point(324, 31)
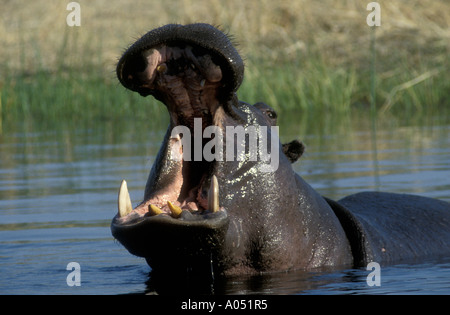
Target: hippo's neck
point(303, 233)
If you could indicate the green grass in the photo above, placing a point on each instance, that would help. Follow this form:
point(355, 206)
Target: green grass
point(308, 86)
point(82, 96)
point(72, 97)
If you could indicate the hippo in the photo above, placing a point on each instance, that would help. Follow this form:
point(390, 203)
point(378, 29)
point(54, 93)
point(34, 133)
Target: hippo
point(246, 214)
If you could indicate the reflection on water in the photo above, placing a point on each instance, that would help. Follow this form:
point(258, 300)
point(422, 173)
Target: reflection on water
point(58, 191)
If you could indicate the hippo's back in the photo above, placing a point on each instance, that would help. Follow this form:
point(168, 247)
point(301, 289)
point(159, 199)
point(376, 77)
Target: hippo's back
point(396, 227)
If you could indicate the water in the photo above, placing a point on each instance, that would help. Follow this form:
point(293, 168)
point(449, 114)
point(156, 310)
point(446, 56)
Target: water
point(58, 194)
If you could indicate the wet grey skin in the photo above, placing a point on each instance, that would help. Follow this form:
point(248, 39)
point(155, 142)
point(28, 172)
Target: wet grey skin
point(228, 217)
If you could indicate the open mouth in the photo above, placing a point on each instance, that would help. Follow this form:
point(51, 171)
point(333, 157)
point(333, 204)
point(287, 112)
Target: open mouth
point(189, 80)
point(196, 203)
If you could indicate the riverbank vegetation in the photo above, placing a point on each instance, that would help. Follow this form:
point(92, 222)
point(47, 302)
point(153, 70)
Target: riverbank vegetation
point(305, 56)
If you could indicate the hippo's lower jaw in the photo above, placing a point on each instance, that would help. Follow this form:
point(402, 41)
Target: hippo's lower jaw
point(180, 226)
point(163, 239)
point(159, 221)
point(177, 236)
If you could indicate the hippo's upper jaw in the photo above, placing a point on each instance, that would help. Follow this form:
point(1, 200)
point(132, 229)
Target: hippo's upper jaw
point(189, 68)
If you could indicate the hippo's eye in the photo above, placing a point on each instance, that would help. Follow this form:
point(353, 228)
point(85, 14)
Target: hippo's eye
point(271, 114)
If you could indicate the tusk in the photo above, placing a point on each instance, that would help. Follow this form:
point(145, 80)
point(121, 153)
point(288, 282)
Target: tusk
point(154, 210)
point(124, 201)
point(213, 195)
point(176, 211)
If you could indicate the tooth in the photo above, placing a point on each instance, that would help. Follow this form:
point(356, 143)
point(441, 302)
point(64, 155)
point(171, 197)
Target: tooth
point(154, 210)
point(161, 68)
point(176, 211)
point(124, 201)
point(213, 195)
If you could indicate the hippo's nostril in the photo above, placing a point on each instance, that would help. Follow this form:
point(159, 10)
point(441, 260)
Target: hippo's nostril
point(130, 70)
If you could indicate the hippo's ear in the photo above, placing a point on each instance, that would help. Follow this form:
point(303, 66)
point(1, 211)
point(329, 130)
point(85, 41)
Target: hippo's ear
point(293, 150)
